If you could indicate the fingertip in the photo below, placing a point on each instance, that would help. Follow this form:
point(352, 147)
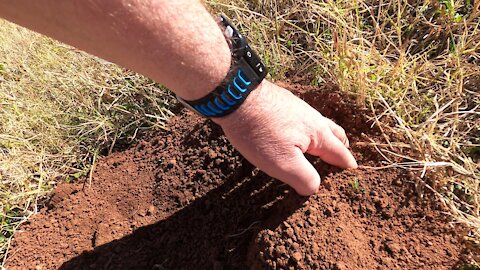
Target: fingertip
point(349, 161)
point(298, 173)
point(353, 164)
point(309, 187)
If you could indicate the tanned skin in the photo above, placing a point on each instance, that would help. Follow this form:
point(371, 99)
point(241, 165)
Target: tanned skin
point(180, 45)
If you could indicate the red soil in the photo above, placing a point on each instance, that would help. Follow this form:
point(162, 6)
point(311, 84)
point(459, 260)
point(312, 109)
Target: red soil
point(185, 199)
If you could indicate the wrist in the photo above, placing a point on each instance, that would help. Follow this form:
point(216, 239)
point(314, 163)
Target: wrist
point(249, 108)
point(245, 75)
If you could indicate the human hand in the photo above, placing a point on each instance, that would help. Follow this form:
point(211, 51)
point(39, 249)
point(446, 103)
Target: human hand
point(273, 129)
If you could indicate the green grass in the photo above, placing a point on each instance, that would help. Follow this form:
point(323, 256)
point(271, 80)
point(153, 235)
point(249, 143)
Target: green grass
point(355, 185)
point(59, 110)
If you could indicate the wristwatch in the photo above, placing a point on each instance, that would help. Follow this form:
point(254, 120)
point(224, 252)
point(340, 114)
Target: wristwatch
point(246, 73)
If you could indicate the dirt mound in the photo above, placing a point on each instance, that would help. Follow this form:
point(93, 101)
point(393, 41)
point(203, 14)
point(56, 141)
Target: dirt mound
point(359, 222)
point(185, 199)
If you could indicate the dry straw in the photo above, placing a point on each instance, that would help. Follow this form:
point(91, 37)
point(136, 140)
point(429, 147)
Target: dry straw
point(59, 110)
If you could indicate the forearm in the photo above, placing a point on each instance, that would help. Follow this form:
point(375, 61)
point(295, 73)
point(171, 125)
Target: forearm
point(176, 43)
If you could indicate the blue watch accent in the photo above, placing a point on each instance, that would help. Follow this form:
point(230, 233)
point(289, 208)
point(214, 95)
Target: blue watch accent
point(237, 97)
point(207, 111)
point(210, 106)
point(238, 86)
point(217, 102)
point(247, 83)
point(197, 107)
point(246, 73)
point(227, 100)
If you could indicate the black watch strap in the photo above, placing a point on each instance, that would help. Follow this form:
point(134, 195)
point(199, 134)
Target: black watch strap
point(246, 73)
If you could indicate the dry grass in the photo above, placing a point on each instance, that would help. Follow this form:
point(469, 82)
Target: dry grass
point(415, 64)
point(59, 110)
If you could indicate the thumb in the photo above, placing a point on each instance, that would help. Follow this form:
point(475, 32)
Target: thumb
point(297, 172)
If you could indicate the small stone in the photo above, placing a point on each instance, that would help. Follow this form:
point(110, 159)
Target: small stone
point(297, 256)
point(312, 219)
point(150, 210)
point(282, 263)
point(327, 185)
point(397, 182)
point(280, 250)
point(270, 251)
point(290, 232)
point(298, 229)
point(172, 162)
point(289, 242)
point(393, 248)
point(142, 212)
point(212, 154)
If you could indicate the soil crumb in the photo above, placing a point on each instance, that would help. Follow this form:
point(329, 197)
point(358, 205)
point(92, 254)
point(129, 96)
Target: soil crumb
point(185, 199)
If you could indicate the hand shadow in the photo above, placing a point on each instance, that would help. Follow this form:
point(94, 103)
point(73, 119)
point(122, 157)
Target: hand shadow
point(212, 232)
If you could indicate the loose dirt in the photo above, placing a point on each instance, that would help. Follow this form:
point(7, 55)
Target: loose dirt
point(185, 199)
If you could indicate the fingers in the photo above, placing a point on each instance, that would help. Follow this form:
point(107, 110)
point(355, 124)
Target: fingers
point(297, 172)
point(333, 151)
point(338, 131)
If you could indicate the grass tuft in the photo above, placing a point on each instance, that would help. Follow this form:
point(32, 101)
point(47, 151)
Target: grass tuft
point(415, 64)
point(59, 110)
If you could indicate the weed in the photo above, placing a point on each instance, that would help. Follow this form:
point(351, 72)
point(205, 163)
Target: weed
point(355, 184)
